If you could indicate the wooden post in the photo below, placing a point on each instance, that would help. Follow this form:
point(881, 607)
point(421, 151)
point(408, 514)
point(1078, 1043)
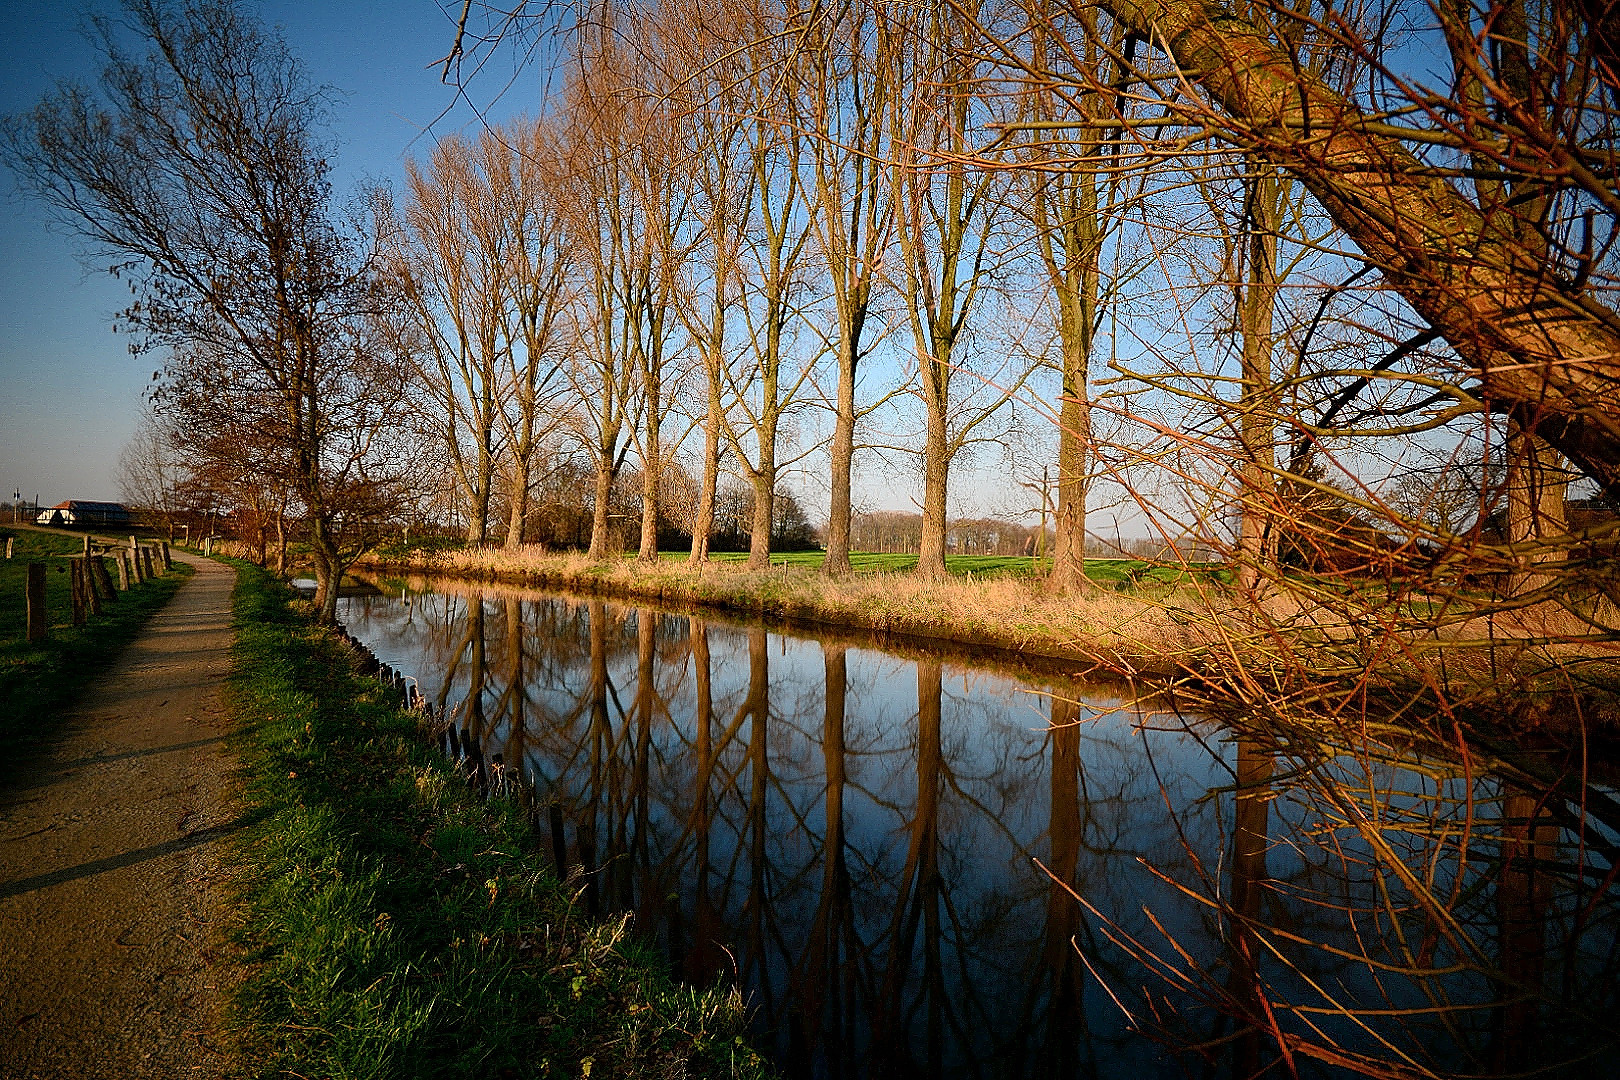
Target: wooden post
point(92, 587)
point(9, 539)
point(146, 562)
point(123, 570)
point(76, 581)
point(86, 543)
point(168, 563)
point(98, 566)
point(38, 621)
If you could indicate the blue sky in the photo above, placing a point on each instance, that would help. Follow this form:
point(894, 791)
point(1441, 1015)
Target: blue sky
point(70, 393)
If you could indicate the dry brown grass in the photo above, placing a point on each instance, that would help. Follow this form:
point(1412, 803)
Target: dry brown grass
point(1287, 643)
point(1153, 629)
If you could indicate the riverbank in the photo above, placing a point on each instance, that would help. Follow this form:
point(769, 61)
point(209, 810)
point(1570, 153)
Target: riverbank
point(1324, 650)
point(398, 923)
point(1153, 629)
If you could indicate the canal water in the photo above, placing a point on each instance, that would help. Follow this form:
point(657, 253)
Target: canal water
point(919, 863)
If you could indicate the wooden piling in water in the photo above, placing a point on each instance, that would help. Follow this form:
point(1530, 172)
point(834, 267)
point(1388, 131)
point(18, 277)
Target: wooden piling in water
point(38, 619)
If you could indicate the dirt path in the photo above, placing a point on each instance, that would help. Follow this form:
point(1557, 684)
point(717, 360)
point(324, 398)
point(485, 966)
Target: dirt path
point(111, 855)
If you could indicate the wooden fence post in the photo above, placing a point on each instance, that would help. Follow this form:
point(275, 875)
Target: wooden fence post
point(9, 539)
point(38, 621)
point(98, 566)
point(92, 587)
point(146, 562)
point(168, 563)
point(123, 570)
point(76, 582)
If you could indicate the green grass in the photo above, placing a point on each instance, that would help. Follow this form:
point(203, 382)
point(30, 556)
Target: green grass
point(38, 681)
point(399, 926)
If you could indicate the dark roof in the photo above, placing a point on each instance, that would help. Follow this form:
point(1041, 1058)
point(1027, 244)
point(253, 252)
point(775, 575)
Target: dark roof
point(92, 507)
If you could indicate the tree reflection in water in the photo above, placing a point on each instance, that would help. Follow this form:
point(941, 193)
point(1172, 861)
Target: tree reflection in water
point(923, 867)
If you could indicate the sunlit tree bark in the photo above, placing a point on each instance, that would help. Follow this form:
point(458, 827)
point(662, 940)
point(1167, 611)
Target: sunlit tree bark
point(1536, 342)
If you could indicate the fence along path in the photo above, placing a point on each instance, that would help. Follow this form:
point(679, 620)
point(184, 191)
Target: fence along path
point(111, 856)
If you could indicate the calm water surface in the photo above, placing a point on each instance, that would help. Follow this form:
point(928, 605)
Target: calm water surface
point(917, 865)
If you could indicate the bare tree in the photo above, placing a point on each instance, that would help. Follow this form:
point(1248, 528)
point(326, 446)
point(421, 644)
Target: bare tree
point(150, 468)
point(610, 142)
point(765, 386)
point(1074, 209)
point(451, 260)
point(1501, 270)
point(946, 215)
point(197, 165)
point(539, 294)
point(706, 42)
point(846, 72)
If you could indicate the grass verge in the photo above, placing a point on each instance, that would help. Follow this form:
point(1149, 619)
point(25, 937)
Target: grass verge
point(399, 926)
point(38, 681)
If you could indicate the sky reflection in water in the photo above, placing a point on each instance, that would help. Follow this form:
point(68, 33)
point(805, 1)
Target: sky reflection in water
point(860, 836)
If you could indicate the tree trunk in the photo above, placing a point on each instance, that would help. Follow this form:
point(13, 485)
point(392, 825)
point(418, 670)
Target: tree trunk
point(843, 455)
point(1536, 487)
point(1539, 347)
point(478, 505)
point(936, 473)
point(518, 520)
point(1250, 841)
point(1256, 402)
point(651, 475)
point(759, 543)
point(1074, 445)
point(281, 537)
point(599, 515)
point(703, 520)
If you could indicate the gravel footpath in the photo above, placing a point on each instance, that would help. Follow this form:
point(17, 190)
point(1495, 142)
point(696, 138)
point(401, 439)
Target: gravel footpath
point(112, 855)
